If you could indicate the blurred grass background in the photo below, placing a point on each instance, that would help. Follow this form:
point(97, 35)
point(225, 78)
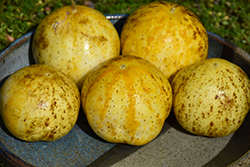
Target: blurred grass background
point(229, 19)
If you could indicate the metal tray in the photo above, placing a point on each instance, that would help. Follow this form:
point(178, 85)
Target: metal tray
point(81, 147)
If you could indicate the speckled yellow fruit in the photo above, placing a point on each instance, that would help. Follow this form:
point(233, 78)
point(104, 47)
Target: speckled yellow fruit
point(168, 35)
point(75, 41)
point(127, 100)
point(211, 98)
point(39, 103)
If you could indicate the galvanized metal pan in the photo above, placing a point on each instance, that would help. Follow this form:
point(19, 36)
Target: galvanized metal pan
point(81, 147)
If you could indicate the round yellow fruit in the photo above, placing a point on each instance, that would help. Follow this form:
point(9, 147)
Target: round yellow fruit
point(211, 98)
point(126, 100)
point(39, 103)
point(166, 34)
point(75, 41)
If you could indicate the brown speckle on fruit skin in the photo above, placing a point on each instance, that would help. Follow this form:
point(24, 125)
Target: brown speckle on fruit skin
point(75, 42)
point(135, 100)
point(42, 42)
point(216, 98)
point(158, 43)
point(40, 104)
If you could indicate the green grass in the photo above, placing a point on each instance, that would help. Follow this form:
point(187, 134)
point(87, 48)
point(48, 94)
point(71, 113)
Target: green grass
point(229, 19)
